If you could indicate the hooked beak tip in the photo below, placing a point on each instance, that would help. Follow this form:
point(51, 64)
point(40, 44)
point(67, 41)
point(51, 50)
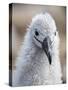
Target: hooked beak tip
point(49, 58)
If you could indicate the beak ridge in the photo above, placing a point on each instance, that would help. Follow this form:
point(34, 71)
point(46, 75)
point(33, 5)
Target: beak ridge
point(45, 47)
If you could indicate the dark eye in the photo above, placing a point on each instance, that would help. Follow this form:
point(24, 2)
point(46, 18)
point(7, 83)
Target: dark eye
point(36, 33)
point(55, 33)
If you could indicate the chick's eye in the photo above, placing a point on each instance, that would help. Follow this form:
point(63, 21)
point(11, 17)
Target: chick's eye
point(55, 33)
point(36, 33)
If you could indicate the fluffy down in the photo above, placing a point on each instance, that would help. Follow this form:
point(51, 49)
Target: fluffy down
point(32, 66)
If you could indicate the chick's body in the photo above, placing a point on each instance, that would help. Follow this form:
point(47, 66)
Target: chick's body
point(32, 67)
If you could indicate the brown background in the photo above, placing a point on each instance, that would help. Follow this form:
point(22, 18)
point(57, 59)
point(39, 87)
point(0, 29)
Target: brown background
point(21, 18)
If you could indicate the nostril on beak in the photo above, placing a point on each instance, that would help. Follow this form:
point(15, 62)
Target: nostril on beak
point(45, 43)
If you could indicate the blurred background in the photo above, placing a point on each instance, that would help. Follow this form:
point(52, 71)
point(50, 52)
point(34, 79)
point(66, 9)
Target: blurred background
point(21, 15)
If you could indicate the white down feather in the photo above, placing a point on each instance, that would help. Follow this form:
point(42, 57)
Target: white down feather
point(32, 66)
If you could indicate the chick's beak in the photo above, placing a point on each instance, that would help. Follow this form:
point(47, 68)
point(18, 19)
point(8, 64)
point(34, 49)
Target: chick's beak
point(45, 46)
